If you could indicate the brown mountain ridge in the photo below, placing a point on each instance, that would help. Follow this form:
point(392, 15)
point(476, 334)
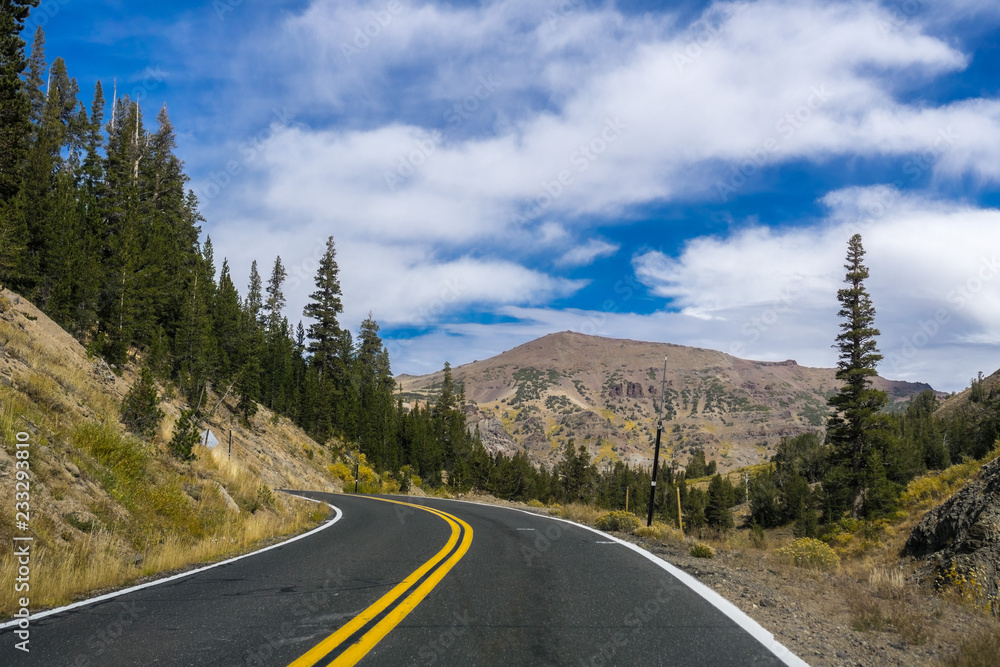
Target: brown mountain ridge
point(601, 393)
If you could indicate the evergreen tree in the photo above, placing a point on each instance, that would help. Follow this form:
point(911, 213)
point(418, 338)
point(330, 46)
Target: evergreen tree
point(254, 300)
point(373, 376)
point(856, 480)
point(140, 407)
point(227, 323)
point(121, 302)
point(275, 303)
point(721, 497)
point(697, 466)
point(15, 105)
point(325, 335)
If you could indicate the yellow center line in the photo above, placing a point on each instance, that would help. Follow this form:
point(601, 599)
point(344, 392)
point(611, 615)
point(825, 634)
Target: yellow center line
point(367, 641)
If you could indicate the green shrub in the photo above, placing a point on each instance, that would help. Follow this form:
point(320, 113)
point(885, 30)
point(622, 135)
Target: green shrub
point(535, 503)
point(757, 537)
point(140, 411)
point(186, 435)
point(619, 520)
point(810, 552)
point(701, 550)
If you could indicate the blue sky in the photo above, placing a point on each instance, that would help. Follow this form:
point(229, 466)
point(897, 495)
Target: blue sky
point(687, 172)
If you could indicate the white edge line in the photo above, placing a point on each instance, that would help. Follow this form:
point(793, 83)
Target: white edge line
point(157, 582)
point(735, 614)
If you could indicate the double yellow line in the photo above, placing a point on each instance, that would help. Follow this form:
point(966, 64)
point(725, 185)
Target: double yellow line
point(354, 640)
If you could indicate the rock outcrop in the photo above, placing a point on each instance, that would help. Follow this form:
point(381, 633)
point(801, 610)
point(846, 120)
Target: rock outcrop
point(964, 531)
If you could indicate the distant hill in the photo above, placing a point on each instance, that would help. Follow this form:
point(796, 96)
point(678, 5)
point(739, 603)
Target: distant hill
point(952, 404)
point(601, 392)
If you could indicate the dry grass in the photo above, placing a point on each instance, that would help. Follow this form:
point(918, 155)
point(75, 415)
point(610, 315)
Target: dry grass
point(659, 532)
point(979, 650)
point(578, 512)
point(104, 559)
point(18, 343)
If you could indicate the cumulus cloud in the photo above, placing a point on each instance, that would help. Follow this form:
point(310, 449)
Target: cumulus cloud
point(934, 281)
point(442, 141)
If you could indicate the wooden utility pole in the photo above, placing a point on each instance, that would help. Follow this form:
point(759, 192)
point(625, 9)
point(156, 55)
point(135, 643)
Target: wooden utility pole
point(680, 523)
point(656, 451)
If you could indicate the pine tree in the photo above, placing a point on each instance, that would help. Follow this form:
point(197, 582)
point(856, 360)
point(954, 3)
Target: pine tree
point(227, 319)
point(275, 303)
point(140, 407)
point(325, 334)
point(15, 105)
point(254, 301)
point(121, 300)
point(720, 499)
point(375, 384)
point(856, 480)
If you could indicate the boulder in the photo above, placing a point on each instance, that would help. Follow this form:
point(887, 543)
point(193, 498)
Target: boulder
point(964, 531)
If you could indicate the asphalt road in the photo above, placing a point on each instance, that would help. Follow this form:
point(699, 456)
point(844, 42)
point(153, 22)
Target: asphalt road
point(468, 585)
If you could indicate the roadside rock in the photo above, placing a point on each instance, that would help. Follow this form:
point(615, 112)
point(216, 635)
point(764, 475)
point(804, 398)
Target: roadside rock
point(964, 531)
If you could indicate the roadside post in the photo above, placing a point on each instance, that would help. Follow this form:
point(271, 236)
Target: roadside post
point(656, 451)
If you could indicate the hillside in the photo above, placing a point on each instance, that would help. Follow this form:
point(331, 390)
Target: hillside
point(990, 385)
point(108, 508)
point(601, 393)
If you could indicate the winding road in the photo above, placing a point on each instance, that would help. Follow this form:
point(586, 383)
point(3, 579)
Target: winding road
point(414, 581)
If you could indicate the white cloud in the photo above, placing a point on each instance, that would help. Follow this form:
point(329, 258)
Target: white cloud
point(603, 112)
point(935, 282)
point(588, 252)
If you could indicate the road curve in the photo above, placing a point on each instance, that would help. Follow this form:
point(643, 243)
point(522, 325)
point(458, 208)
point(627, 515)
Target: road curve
point(527, 590)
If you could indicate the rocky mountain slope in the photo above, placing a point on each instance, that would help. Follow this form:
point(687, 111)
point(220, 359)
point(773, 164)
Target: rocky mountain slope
point(107, 507)
point(601, 392)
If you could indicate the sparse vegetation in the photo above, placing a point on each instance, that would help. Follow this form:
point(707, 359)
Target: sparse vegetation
point(619, 520)
point(702, 550)
point(812, 553)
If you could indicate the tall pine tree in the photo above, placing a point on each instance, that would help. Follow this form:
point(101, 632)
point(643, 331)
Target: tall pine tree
point(856, 480)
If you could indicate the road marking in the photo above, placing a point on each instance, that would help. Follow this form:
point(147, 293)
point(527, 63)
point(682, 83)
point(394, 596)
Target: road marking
point(345, 646)
point(157, 582)
point(605, 542)
point(735, 614)
point(525, 528)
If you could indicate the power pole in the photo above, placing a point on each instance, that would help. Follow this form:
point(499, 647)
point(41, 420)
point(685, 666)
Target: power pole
point(656, 450)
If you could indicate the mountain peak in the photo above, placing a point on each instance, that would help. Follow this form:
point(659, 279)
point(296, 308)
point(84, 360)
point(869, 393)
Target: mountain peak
point(603, 393)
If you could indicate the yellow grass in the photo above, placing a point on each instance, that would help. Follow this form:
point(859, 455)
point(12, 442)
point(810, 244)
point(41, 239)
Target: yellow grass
point(105, 560)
